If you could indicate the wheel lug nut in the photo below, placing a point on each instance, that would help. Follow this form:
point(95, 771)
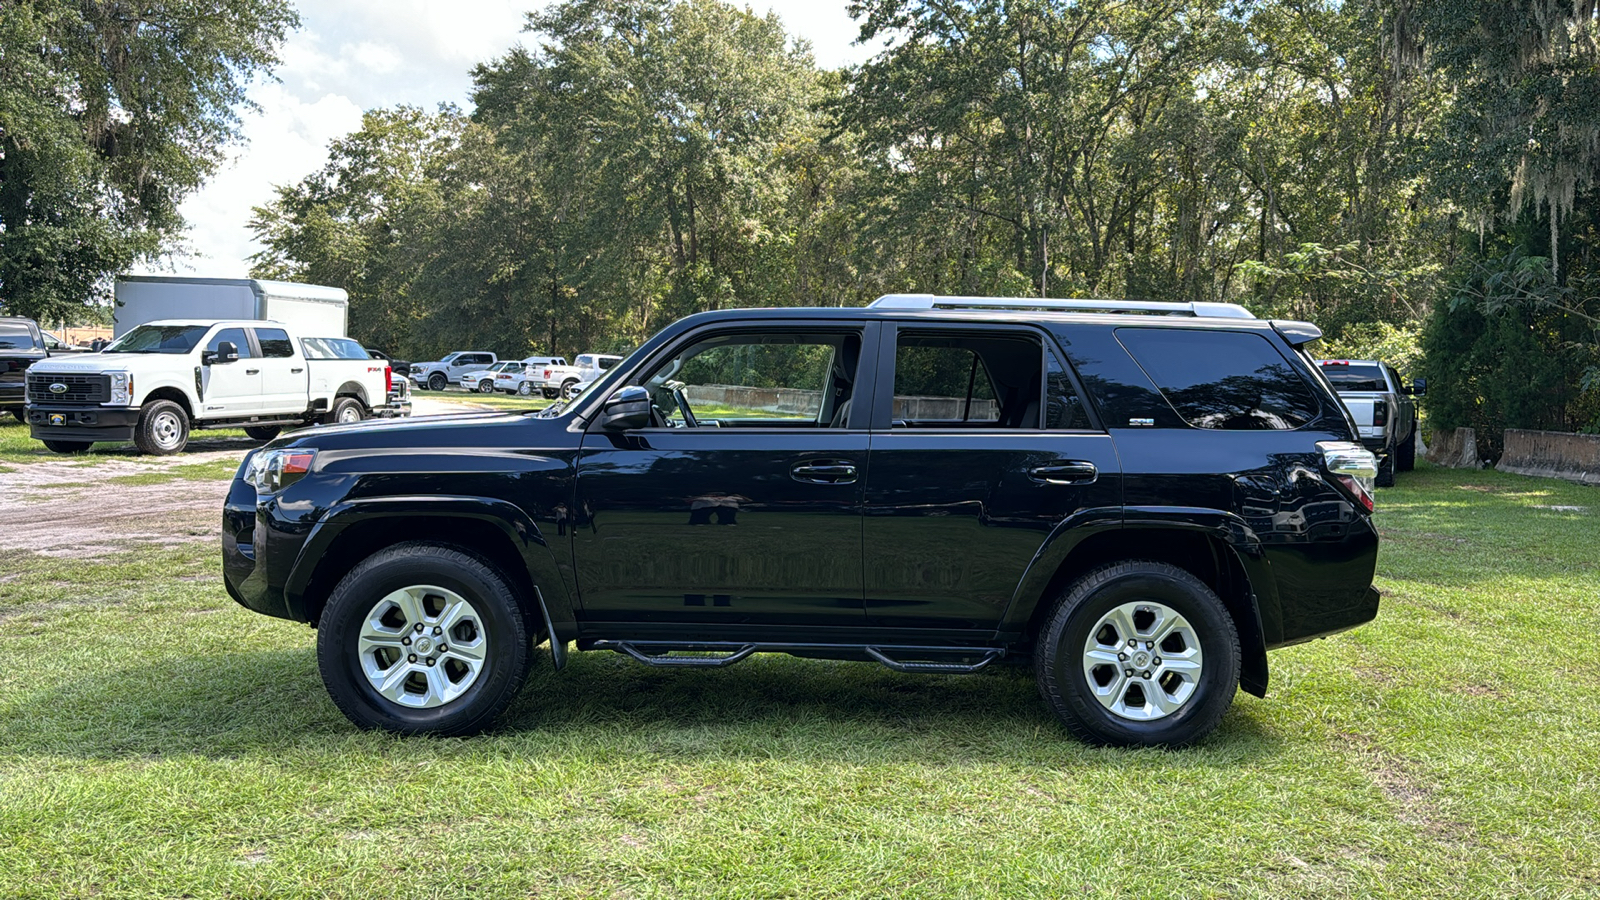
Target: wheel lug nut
point(406, 641)
point(1149, 645)
point(1122, 656)
point(419, 628)
point(1128, 672)
point(1132, 642)
point(430, 660)
point(443, 648)
point(438, 630)
point(1141, 674)
point(411, 658)
point(1156, 661)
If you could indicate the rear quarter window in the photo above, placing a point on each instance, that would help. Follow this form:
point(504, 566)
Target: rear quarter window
point(1223, 380)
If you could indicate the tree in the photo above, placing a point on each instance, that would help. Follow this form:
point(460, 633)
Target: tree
point(110, 114)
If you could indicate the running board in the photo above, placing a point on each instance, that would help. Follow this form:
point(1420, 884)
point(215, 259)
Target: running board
point(726, 653)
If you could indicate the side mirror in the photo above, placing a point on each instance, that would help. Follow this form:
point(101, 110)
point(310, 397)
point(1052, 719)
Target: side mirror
point(226, 352)
point(1418, 388)
point(627, 409)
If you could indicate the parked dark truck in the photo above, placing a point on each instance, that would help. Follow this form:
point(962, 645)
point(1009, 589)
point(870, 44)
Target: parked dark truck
point(21, 345)
point(1139, 500)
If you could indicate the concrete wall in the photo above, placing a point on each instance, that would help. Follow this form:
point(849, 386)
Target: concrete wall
point(1455, 449)
point(1552, 454)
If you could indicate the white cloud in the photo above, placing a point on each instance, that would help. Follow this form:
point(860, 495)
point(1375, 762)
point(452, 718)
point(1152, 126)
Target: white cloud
point(352, 55)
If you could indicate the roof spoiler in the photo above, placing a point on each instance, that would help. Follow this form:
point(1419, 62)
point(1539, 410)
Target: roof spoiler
point(1298, 334)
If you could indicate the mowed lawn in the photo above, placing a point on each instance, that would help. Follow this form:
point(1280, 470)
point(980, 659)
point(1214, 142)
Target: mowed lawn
point(158, 741)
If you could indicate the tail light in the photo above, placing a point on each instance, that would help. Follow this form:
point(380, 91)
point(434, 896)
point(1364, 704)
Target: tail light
point(1353, 467)
point(547, 374)
point(1380, 413)
point(388, 379)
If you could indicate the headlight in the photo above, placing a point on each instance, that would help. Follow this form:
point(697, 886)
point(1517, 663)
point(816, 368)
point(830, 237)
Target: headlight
point(273, 470)
point(121, 389)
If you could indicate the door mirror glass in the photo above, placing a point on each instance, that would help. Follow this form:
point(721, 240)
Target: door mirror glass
point(626, 410)
point(1419, 387)
point(226, 352)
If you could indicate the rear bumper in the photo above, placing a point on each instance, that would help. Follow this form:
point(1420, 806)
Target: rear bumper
point(78, 423)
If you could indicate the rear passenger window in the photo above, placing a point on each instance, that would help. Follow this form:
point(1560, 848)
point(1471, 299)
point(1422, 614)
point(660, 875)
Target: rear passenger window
point(950, 379)
point(1228, 380)
point(275, 343)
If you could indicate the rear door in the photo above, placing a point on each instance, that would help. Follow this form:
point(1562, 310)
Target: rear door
point(981, 447)
point(285, 381)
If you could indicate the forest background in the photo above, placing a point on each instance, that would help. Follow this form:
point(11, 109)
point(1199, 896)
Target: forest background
point(1414, 176)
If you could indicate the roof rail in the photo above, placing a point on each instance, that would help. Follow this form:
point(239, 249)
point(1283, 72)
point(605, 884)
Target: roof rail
point(931, 301)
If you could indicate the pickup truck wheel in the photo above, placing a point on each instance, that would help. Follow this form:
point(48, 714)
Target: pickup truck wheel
point(525, 389)
point(549, 393)
point(66, 446)
point(263, 432)
point(423, 638)
point(1138, 653)
point(347, 410)
point(163, 429)
point(437, 381)
point(1406, 453)
point(1386, 470)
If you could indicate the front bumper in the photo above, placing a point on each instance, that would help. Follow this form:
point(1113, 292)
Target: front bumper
point(82, 423)
point(248, 549)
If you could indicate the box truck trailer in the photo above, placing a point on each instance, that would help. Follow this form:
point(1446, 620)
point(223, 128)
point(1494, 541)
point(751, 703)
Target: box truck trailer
point(312, 309)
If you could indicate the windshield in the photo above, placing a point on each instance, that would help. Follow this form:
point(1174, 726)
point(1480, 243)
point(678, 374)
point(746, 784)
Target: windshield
point(16, 336)
point(159, 339)
point(1352, 377)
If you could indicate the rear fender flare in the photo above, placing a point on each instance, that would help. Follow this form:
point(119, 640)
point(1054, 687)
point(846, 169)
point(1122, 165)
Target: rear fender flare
point(548, 592)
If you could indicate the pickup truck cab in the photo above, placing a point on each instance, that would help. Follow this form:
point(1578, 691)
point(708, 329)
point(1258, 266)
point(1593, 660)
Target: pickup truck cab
point(436, 376)
point(529, 379)
point(1383, 409)
point(163, 379)
point(559, 381)
point(1138, 500)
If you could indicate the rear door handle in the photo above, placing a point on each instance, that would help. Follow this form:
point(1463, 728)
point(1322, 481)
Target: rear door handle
point(297, 371)
point(824, 472)
point(1072, 472)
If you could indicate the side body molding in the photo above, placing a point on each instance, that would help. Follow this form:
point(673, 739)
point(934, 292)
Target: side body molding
point(548, 592)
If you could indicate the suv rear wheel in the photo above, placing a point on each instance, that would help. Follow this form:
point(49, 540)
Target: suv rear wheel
point(1138, 653)
point(423, 638)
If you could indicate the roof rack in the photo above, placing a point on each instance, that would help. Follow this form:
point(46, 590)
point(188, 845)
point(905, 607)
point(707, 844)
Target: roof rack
point(931, 301)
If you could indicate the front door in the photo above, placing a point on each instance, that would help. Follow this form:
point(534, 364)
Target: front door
point(983, 448)
point(231, 389)
point(741, 505)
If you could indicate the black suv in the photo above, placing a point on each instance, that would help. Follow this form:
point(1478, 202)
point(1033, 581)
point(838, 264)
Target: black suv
point(1140, 499)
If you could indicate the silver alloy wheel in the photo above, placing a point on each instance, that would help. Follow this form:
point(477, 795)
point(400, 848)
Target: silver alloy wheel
point(350, 413)
point(1142, 661)
point(166, 429)
point(525, 389)
point(422, 646)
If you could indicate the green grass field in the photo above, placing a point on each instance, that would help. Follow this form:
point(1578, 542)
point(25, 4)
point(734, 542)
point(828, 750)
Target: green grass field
point(158, 741)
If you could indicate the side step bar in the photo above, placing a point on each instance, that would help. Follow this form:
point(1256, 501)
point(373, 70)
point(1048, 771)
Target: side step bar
point(718, 654)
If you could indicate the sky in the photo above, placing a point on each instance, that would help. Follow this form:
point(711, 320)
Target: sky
point(352, 55)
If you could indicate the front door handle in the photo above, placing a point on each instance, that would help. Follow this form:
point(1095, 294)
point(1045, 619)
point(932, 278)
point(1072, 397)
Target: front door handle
point(825, 472)
point(1072, 472)
point(297, 371)
point(252, 371)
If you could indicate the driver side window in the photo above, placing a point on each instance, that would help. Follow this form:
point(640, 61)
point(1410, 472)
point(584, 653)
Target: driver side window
point(784, 379)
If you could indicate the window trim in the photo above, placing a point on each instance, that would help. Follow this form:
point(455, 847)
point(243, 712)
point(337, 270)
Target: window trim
point(867, 331)
point(889, 343)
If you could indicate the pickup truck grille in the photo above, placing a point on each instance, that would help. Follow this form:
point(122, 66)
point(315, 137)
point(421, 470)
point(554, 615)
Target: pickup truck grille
point(80, 388)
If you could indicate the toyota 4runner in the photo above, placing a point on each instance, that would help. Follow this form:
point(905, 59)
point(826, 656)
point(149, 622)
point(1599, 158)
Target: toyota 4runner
point(1138, 499)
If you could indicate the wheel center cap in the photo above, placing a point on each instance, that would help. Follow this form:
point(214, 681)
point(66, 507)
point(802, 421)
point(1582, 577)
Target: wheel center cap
point(1141, 659)
point(423, 646)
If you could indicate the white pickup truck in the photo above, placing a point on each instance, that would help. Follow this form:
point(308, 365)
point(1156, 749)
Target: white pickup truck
point(436, 376)
point(560, 381)
point(1383, 408)
point(162, 379)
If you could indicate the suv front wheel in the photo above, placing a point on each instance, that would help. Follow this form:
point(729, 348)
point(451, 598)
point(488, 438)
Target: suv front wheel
point(423, 638)
point(1138, 653)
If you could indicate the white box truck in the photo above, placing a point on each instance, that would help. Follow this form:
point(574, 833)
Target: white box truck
point(313, 310)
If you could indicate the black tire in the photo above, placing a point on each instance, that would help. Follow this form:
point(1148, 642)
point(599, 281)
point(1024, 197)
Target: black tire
point(163, 429)
point(549, 393)
point(1406, 453)
point(66, 446)
point(1059, 655)
point(437, 381)
point(1386, 471)
point(343, 409)
point(525, 389)
point(507, 653)
point(263, 433)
